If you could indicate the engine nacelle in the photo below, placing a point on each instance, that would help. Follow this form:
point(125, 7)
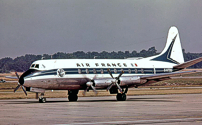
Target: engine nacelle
point(103, 82)
point(130, 80)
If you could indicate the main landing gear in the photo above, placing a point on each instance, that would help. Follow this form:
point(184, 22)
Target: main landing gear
point(73, 95)
point(41, 98)
point(122, 96)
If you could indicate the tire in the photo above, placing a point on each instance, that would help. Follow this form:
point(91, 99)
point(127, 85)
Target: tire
point(72, 97)
point(42, 100)
point(121, 97)
point(118, 97)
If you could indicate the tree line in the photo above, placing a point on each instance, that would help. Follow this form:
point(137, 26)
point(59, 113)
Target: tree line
point(22, 63)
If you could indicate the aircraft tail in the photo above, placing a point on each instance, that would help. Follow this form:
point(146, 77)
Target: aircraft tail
point(173, 50)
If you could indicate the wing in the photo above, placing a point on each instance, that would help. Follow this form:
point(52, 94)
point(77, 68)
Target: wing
point(188, 63)
point(11, 77)
point(163, 76)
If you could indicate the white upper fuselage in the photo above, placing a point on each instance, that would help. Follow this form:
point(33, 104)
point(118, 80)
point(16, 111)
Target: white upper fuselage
point(100, 63)
point(82, 68)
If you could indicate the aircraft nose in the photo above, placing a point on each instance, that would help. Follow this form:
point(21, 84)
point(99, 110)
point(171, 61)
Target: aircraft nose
point(24, 75)
point(21, 80)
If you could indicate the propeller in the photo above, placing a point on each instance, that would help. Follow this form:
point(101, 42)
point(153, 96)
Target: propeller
point(20, 84)
point(115, 81)
point(90, 84)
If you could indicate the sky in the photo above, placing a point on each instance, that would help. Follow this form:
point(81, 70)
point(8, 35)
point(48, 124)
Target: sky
point(51, 26)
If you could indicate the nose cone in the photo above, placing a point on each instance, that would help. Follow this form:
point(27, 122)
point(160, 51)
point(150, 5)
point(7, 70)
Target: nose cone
point(21, 80)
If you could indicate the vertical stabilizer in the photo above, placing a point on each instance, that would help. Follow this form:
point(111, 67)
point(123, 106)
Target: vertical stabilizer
point(173, 50)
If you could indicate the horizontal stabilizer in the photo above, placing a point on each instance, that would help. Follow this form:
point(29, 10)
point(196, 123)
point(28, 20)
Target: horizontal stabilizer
point(188, 63)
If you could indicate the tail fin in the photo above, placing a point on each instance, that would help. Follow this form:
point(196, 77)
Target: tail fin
point(173, 51)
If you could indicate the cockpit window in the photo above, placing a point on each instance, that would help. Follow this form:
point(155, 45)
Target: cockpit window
point(32, 65)
point(37, 66)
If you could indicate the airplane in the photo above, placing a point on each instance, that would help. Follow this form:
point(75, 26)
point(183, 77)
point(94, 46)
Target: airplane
point(114, 75)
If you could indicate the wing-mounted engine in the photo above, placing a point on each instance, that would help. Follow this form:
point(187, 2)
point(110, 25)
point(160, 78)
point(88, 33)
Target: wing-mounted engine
point(131, 80)
point(120, 82)
point(123, 81)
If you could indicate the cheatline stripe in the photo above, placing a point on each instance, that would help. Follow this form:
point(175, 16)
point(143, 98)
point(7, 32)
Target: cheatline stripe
point(98, 71)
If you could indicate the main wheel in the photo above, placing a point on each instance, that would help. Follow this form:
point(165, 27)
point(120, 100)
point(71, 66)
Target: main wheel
point(72, 97)
point(121, 97)
point(42, 100)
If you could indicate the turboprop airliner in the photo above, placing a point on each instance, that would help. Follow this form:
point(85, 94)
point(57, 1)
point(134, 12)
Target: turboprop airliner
point(114, 75)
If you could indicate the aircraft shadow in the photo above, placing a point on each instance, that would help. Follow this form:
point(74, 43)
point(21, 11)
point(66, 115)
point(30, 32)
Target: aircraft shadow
point(150, 100)
point(32, 102)
point(86, 101)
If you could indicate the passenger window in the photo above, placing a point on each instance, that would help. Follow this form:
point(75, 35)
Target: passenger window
point(129, 71)
point(79, 71)
point(94, 71)
point(136, 71)
point(87, 71)
point(102, 71)
point(115, 70)
point(37, 66)
point(142, 70)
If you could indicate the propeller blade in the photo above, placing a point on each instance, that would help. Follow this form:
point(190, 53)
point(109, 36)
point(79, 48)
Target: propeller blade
point(23, 88)
point(94, 89)
point(110, 73)
point(119, 87)
point(17, 75)
point(120, 74)
point(16, 88)
point(109, 87)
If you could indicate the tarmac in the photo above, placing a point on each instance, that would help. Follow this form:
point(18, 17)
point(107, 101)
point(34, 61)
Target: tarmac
point(183, 109)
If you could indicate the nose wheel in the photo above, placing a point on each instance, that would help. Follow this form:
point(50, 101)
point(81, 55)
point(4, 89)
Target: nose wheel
point(42, 100)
